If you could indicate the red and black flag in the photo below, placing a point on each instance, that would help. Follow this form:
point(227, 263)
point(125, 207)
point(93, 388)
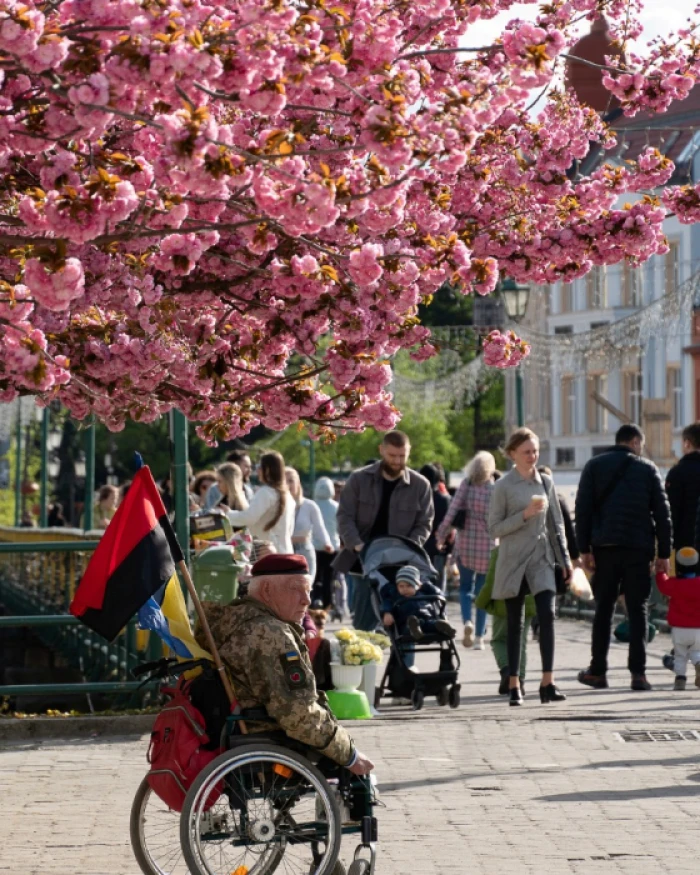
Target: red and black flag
point(135, 558)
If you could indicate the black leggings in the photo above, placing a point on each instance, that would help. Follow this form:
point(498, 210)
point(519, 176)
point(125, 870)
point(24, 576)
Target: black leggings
point(544, 602)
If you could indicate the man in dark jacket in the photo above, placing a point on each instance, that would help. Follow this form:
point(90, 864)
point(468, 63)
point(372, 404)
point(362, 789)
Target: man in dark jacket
point(622, 520)
point(441, 502)
point(386, 498)
point(683, 488)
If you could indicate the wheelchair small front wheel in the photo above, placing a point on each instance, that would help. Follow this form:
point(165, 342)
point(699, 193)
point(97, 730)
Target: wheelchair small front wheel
point(273, 810)
point(454, 696)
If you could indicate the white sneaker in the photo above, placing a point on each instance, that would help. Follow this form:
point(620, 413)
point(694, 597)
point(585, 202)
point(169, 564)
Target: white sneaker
point(697, 675)
point(479, 643)
point(468, 638)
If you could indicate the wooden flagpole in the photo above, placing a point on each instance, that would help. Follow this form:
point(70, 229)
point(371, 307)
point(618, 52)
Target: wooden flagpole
point(220, 667)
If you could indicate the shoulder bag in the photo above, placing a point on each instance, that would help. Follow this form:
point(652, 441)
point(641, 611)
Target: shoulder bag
point(459, 520)
point(561, 584)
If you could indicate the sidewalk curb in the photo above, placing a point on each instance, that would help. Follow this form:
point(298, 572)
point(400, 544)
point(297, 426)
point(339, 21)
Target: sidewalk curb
point(43, 728)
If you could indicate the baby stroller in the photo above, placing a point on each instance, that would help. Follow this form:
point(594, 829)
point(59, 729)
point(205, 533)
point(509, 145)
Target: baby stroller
point(381, 559)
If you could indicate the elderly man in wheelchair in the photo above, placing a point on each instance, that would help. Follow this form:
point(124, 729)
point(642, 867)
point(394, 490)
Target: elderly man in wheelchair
point(291, 781)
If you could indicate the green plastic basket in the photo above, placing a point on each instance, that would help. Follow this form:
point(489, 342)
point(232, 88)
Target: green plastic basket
point(349, 704)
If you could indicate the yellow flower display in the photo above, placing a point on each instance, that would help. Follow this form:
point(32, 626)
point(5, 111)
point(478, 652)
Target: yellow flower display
point(357, 649)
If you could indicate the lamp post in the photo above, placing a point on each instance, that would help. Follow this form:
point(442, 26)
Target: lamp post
point(515, 299)
point(312, 463)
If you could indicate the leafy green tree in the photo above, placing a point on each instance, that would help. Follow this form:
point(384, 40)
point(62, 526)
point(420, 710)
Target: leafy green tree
point(429, 430)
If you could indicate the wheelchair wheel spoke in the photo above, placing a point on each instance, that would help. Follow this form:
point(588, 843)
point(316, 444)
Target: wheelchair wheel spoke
point(277, 815)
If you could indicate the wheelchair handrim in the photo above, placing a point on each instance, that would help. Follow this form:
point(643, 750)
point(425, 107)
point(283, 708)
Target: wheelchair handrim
point(240, 761)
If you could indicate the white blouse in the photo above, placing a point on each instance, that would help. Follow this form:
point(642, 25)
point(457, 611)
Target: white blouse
point(258, 514)
point(309, 525)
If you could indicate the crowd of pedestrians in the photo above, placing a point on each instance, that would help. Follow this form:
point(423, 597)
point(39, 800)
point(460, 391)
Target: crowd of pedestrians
point(509, 537)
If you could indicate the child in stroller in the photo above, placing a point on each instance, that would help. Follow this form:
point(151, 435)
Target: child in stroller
point(414, 614)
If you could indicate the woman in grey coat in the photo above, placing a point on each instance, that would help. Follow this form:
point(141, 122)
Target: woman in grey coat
point(525, 516)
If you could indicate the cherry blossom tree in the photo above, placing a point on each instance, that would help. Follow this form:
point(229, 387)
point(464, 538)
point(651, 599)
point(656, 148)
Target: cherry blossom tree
point(235, 207)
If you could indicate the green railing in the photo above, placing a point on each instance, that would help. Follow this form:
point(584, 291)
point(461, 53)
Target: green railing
point(39, 571)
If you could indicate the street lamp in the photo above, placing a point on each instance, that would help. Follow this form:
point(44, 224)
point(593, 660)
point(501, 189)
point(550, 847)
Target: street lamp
point(515, 299)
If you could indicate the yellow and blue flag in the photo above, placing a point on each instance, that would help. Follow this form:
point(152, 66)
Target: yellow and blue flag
point(165, 614)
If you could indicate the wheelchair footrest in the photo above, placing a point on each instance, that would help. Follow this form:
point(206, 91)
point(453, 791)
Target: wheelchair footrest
point(369, 830)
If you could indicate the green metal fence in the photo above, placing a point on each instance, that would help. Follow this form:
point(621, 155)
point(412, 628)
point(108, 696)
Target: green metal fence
point(39, 571)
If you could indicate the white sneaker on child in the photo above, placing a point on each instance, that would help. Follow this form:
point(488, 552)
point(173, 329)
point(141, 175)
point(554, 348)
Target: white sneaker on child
point(479, 642)
point(468, 638)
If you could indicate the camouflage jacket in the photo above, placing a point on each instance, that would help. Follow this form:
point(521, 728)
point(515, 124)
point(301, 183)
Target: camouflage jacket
point(270, 667)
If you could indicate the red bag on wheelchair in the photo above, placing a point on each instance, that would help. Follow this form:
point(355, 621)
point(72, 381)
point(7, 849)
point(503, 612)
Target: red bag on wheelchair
point(183, 742)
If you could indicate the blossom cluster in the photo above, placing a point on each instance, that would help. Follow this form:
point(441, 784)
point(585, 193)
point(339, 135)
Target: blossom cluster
point(236, 208)
point(504, 350)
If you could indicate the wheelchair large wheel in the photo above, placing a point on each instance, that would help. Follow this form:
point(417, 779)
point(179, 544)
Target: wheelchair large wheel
point(274, 813)
point(155, 834)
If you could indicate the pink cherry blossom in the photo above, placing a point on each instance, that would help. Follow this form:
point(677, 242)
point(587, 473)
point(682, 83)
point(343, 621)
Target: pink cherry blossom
point(239, 208)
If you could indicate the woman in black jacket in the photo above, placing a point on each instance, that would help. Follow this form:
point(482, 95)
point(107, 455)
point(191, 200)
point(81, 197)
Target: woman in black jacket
point(440, 502)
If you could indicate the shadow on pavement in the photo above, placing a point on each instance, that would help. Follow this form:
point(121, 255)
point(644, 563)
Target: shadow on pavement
point(620, 795)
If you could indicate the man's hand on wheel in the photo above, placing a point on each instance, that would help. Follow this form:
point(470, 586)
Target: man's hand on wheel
point(388, 619)
point(362, 766)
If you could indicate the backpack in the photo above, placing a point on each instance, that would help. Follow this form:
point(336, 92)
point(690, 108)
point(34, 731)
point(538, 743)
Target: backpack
point(180, 746)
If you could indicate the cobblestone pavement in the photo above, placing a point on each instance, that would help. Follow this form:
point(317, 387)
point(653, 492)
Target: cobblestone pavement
point(484, 789)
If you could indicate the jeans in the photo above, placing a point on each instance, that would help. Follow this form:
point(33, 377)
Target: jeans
point(544, 602)
point(620, 570)
point(350, 592)
point(470, 583)
point(439, 564)
point(364, 617)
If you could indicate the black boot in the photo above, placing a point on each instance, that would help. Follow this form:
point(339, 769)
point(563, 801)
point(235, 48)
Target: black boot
point(503, 686)
point(550, 693)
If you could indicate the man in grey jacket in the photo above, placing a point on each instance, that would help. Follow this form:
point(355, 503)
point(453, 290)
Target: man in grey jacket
point(386, 498)
point(622, 521)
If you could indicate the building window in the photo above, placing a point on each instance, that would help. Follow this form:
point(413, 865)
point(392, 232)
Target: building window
point(595, 325)
point(597, 415)
point(566, 297)
point(632, 292)
point(597, 289)
point(568, 405)
point(566, 457)
point(674, 392)
point(598, 451)
point(563, 329)
point(672, 259)
point(634, 393)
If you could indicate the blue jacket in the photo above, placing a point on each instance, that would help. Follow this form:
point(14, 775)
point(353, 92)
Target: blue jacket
point(635, 514)
point(390, 595)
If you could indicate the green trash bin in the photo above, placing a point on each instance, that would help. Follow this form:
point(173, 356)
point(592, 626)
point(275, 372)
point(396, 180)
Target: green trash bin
point(215, 574)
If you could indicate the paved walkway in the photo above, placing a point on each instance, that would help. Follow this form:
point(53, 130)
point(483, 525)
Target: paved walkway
point(485, 789)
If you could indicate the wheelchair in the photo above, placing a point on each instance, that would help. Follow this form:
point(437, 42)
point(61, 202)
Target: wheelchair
point(268, 804)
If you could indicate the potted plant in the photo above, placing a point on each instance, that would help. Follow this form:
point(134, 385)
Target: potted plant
point(357, 663)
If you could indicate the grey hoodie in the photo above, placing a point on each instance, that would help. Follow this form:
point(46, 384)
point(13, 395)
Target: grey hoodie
point(324, 490)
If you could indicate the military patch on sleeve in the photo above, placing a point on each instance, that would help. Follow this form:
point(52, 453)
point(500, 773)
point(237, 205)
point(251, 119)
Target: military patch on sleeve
point(294, 673)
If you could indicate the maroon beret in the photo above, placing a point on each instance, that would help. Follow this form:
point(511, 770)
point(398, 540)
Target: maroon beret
point(280, 563)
